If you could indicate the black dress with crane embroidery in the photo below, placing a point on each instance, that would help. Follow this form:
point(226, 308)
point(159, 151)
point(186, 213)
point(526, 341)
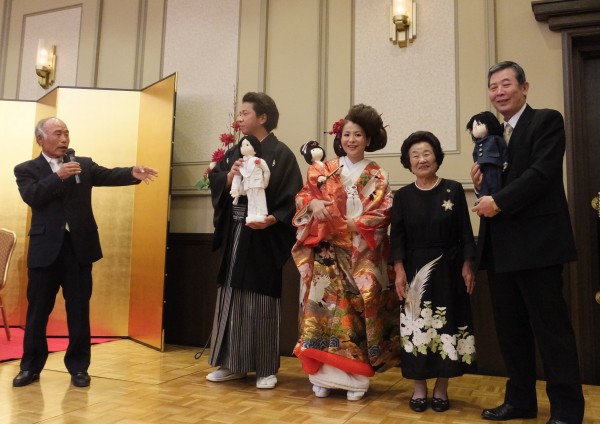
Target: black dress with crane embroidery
point(431, 233)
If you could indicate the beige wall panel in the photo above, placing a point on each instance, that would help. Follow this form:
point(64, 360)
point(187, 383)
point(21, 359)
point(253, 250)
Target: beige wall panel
point(339, 69)
point(293, 69)
point(201, 45)
point(18, 121)
point(3, 38)
point(152, 50)
point(84, 63)
point(201, 39)
point(2, 6)
point(474, 39)
point(252, 46)
point(103, 126)
point(185, 177)
point(150, 224)
point(416, 88)
point(192, 214)
point(43, 26)
point(117, 52)
point(413, 87)
point(537, 49)
point(474, 57)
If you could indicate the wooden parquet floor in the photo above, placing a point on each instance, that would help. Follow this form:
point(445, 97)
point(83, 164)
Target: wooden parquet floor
point(134, 384)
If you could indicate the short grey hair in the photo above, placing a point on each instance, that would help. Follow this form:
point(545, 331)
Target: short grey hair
point(39, 128)
point(519, 72)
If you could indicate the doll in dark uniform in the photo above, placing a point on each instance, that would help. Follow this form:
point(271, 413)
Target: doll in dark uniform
point(490, 150)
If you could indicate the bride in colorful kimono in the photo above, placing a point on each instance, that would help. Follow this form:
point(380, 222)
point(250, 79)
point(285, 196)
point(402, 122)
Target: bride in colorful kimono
point(349, 309)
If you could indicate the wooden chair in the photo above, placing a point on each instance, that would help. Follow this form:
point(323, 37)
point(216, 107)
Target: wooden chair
point(8, 240)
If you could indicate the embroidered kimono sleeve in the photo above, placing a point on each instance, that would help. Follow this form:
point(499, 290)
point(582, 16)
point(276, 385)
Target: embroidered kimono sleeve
point(376, 198)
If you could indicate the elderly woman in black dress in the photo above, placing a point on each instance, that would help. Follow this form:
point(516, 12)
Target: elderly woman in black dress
point(432, 251)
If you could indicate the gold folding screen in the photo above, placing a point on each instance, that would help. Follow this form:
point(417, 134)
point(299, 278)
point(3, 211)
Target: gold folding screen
point(114, 128)
point(151, 214)
point(17, 120)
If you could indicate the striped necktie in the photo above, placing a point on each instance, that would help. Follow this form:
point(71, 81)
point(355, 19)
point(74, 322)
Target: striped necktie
point(507, 132)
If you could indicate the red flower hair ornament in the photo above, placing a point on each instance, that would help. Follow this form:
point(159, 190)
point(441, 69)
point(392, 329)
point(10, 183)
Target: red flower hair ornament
point(337, 128)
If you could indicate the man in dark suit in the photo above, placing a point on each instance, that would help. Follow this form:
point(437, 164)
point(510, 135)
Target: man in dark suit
point(525, 239)
point(63, 244)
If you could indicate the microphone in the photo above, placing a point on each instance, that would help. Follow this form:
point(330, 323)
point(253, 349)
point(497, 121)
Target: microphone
point(71, 155)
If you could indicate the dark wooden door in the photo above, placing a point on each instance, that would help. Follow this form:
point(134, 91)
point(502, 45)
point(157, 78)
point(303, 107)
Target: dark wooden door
point(582, 113)
point(579, 23)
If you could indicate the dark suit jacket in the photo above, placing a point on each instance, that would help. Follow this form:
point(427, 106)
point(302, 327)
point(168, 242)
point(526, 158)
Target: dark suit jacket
point(533, 230)
point(55, 203)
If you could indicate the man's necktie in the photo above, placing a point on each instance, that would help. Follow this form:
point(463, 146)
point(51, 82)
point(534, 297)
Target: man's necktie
point(507, 132)
point(55, 164)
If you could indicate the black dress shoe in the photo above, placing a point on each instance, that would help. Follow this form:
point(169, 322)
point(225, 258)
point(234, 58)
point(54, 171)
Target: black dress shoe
point(24, 378)
point(555, 421)
point(418, 404)
point(81, 379)
point(440, 405)
point(506, 412)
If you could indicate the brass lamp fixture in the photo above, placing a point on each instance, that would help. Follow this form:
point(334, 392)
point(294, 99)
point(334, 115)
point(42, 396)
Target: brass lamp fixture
point(45, 64)
point(403, 22)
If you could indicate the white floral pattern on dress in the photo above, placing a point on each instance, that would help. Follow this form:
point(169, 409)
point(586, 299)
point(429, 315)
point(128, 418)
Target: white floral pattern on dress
point(421, 335)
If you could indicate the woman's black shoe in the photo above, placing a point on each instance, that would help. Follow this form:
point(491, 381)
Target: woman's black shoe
point(418, 405)
point(440, 405)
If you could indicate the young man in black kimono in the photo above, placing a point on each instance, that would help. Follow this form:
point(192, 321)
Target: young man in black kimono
point(245, 336)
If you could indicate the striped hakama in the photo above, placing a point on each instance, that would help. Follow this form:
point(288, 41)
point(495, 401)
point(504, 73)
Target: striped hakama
point(245, 334)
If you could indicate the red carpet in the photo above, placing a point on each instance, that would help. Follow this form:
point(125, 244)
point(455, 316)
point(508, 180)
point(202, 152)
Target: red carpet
point(13, 349)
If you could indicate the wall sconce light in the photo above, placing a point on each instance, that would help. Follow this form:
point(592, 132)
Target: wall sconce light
point(403, 22)
point(45, 64)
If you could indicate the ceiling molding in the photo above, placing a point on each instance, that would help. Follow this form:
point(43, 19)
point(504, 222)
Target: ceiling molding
point(567, 14)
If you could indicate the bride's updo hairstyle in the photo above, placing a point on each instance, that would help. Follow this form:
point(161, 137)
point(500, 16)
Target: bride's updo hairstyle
point(371, 123)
